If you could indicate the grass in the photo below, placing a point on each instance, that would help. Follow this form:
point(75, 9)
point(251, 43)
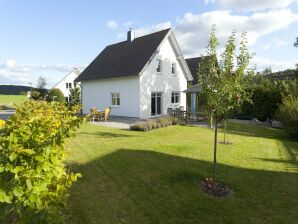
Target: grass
point(153, 177)
point(8, 100)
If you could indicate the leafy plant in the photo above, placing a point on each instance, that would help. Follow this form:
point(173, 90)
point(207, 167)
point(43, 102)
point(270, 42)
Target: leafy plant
point(75, 95)
point(34, 179)
point(223, 84)
point(288, 115)
point(55, 95)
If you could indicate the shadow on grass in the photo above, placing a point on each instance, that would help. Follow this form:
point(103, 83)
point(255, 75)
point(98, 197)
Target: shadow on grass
point(271, 133)
point(104, 134)
point(252, 130)
point(137, 186)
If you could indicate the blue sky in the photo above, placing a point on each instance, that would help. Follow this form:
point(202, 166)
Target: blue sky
point(49, 38)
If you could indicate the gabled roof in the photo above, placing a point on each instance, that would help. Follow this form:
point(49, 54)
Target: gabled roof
point(124, 58)
point(75, 70)
point(193, 65)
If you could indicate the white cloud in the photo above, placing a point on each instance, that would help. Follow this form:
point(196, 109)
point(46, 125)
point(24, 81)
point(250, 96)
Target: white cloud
point(276, 65)
point(193, 30)
point(112, 24)
point(13, 73)
point(266, 46)
point(251, 5)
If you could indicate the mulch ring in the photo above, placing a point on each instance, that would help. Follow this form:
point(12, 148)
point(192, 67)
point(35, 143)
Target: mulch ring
point(225, 143)
point(215, 188)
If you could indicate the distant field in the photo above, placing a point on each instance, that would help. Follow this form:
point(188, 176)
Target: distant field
point(10, 99)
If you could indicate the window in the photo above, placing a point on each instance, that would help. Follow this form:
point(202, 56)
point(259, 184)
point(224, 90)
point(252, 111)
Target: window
point(175, 97)
point(173, 68)
point(115, 99)
point(68, 85)
point(158, 69)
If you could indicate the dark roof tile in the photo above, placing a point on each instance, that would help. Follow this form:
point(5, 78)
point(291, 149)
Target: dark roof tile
point(123, 59)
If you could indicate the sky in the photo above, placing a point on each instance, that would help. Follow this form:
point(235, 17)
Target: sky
point(50, 37)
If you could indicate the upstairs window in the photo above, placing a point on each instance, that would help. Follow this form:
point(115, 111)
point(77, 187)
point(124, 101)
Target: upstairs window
point(115, 99)
point(159, 65)
point(68, 85)
point(175, 97)
point(173, 69)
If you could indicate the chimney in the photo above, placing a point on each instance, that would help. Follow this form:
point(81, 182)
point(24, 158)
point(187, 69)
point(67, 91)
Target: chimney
point(130, 36)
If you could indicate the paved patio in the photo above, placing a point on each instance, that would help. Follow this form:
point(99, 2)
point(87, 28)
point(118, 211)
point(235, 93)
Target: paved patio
point(118, 122)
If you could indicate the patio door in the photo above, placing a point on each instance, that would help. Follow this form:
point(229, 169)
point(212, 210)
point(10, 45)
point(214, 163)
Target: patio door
point(156, 103)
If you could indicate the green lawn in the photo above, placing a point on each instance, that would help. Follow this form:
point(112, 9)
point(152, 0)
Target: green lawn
point(10, 99)
point(151, 178)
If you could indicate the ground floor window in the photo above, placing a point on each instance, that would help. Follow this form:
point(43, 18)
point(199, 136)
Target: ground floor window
point(156, 103)
point(115, 99)
point(175, 97)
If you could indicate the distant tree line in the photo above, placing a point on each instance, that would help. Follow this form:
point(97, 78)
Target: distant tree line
point(14, 90)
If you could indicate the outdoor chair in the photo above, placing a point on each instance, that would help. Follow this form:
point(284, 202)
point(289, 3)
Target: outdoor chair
point(94, 114)
point(107, 113)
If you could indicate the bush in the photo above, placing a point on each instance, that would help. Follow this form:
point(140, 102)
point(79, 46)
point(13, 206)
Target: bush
point(34, 180)
point(35, 95)
point(263, 105)
point(2, 123)
point(55, 95)
point(288, 115)
point(154, 124)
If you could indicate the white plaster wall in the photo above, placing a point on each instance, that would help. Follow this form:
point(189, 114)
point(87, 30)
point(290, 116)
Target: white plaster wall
point(165, 82)
point(97, 93)
point(68, 79)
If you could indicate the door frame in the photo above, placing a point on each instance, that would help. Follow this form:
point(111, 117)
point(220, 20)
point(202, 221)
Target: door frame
point(161, 104)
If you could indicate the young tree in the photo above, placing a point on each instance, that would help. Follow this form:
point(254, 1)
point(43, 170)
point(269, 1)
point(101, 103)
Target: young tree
point(223, 84)
point(75, 95)
point(41, 87)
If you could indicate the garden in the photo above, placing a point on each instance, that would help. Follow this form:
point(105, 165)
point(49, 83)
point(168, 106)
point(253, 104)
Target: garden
point(56, 168)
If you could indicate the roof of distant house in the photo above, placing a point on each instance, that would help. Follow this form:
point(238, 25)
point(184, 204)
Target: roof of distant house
point(193, 65)
point(124, 58)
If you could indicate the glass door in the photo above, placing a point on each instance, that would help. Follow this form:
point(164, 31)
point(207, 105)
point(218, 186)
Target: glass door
point(156, 104)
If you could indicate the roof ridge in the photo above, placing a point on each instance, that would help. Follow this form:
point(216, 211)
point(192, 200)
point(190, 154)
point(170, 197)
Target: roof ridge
point(156, 32)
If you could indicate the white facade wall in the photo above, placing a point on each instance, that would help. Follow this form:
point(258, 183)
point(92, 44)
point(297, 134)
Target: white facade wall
point(68, 79)
point(98, 93)
point(165, 82)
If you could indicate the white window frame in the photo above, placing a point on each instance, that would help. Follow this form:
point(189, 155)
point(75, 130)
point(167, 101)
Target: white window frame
point(175, 93)
point(174, 65)
point(159, 65)
point(118, 102)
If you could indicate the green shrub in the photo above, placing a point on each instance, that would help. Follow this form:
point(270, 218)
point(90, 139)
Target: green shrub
point(55, 95)
point(154, 124)
point(34, 180)
point(35, 95)
point(288, 115)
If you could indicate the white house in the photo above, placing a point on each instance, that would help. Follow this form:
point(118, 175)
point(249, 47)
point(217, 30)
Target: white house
point(67, 83)
point(140, 77)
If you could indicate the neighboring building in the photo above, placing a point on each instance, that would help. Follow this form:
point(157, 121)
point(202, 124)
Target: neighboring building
point(140, 77)
point(193, 64)
point(67, 83)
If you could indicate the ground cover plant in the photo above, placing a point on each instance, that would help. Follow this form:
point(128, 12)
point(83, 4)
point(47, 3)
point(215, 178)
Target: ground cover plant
point(154, 177)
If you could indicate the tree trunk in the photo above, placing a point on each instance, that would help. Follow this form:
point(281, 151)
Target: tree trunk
point(211, 120)
point(215, 148)
point(225, 130)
